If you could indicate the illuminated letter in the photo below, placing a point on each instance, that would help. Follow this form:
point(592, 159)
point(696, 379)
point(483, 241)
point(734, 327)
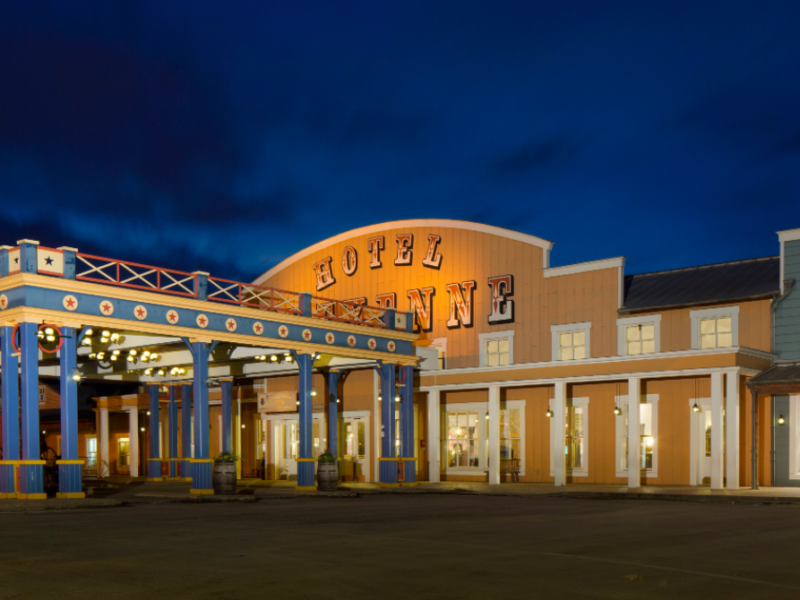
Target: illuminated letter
point(386, 300)
point(375, 245)
point(460, 304)
point(349, 260)
point(502, 308)
point(420, 303)
point(324, 276)
point(433, 259)
point(405, 241)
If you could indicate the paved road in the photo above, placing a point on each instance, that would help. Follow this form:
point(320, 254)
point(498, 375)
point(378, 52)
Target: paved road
point(391, 546)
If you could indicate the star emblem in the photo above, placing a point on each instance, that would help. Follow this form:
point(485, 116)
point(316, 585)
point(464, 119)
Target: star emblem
point(329, 338)
point(3, 302)
point(48, 261)
point(307, 335)
point(106, 307)
point(283, 331)
point(202, 321)
point(391, 346)
point(16, 260)
point(70, 302)
point(172, 316)
point(258, 328)
point(372, 344)
point(140, 312)
point(230, 324)
point(351, 340)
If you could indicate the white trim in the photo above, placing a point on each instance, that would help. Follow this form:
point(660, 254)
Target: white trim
point(789, 235)
point(496, 335)
point(794, 434)
point(718, 312)
point(546, 245)
point(555, 330)
point(584, 267)
point(694, 435)
point(644, 320)
point(622, 403)
point(582, 402)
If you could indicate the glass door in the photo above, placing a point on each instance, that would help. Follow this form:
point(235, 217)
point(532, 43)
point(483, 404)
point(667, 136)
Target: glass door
point(287, 445)
point(353, 448)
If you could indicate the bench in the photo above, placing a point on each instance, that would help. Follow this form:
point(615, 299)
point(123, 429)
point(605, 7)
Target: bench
point(510, 466)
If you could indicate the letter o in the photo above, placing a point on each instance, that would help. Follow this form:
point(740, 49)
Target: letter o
point(349, 260)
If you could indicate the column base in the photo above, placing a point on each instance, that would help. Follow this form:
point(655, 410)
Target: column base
point(70, 495)
point(31, 496)
point(8, 495)
point(202, 492)
point(306, 488)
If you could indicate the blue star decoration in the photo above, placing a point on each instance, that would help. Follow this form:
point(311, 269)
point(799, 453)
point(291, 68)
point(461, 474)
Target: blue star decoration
point(16, 260)
point(48, 261)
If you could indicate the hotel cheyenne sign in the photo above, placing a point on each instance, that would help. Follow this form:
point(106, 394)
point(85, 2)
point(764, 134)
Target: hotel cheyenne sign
point(460, 295)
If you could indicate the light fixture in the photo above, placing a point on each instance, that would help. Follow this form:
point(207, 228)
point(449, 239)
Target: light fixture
point(141, 429)
point(106, 333)
point(781, 420)
point(101, 355)
point(161, 372)
point(487, 417)
point(131, 359)
point(273, 358)
point(549, 413)
point(397, 398)
point(617, 410)
point(115, 352)
point(44, 432)
point(288, 359)
point(132, 352)
point(88, 332)
point(182, 371)
point(51, 338)
point(298, 403)
point(114, 337)
point(338, 401)
point(76, 376)
point(40, 334)
point(93, 355)
point(242, 425)
point(154, 356)
point(49, 331)
point(148, 413)
point(146, 353)
point(313, 392)
point(113, 357)
point(287, 354)
point(695, 408)
point(87, 342)
point(380, 397)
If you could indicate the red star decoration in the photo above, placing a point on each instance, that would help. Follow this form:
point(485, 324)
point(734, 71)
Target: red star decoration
point(140, 312)
point(70, 302)
point(172, 316)
point(202, 320)
point(231, 324)
point(372, 344)
point(258, 328)
point(283, 331)
point(306, 335)
point(106, 307)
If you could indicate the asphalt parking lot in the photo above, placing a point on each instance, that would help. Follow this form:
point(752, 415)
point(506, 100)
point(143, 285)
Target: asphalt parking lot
point(393, 546)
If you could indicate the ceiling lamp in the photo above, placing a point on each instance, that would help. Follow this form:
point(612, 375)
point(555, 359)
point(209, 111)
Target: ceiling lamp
point(273, 358)
point(695, 408)
point(549, 413)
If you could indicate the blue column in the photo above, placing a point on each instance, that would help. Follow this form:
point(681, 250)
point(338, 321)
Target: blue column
point(407, 426)
point(69, 466)
point(306, 479)
point(4, 261)
point(186, 431)
point(333, 411)
point(172, 431)
point(227, 415)
point(9, 392)
point(154, 456)
point(69, 261)
point(28, 256)
point(201, 463)
point(31, 481)
point(388, 461)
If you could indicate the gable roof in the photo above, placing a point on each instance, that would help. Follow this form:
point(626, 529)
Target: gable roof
point(708, 284)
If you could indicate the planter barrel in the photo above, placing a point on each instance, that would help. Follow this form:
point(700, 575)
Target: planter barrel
point(327, 476)
point(223, 478)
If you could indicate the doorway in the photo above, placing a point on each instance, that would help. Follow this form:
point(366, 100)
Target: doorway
point(700, 437)
point(354, 446)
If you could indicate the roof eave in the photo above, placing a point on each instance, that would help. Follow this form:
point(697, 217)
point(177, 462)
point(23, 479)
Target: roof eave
point(629, 311)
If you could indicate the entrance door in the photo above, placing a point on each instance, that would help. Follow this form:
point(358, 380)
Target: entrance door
point(287, 444)
point(700, 451)
point(353, 442)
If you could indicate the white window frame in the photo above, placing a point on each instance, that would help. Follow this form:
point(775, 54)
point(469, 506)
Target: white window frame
point(794, 437)
point(622, 403)
point(719, 312)
point(623, 324)
point(497, 335)
point(520, 405)
point(584, 470)
point(555, 330)
point(482, 408)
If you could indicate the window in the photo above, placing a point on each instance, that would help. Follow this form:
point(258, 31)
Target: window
point(648, 436)
point(571, 342)
point(497, 348)
point(715, 327)
point(510, 433)
point(123, 451)
point(463, 444)
point(354, 438)
point(576, 438)
point(42, 394)
point(639, 335)
point(91, 453)
point(261, 438)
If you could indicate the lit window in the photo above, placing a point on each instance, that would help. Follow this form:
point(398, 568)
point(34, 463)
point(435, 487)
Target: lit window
point(640, 339)
point(510, 437)
point(572, 345)
point(716, 333)
point(575, 438)
point(497, 348)
point(647, 440)
point(575, 441)
point(497, 353)
point(462, 440)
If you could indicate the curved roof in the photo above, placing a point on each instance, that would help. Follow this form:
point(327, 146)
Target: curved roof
point(499, 231)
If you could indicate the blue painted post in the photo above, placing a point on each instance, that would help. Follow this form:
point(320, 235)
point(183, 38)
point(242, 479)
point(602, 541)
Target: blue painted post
point(28, 261)
point(69, 466)
point(225, 386)
point(390, 321)
point(388, 459)
point(201, 463)
point(172, 416)
point(4, 261)
point(410, 322)
point(69, 261)
point(9, 393)
point(305, 461)
point(333, 412)
point(202, 285)
point(31, 481)
point(186, 431)
point(305, 304)
point(407, 426)
point(154, 456)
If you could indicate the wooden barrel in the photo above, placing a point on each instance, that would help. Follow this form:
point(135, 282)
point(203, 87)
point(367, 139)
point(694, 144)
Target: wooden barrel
point(223, 479)
point(327, 476)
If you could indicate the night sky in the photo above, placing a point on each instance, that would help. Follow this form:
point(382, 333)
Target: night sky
point(226, 136)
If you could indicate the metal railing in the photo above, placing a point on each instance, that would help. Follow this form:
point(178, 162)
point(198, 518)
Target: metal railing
point(348, 312)
point(134, 275)
point(254, 296)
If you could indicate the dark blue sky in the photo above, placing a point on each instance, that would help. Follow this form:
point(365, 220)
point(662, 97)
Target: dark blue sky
point(227, 136)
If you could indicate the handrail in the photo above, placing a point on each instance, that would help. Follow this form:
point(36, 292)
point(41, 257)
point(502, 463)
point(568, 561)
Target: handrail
point(135, 275)
point(348, 311)
point(254, 296)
